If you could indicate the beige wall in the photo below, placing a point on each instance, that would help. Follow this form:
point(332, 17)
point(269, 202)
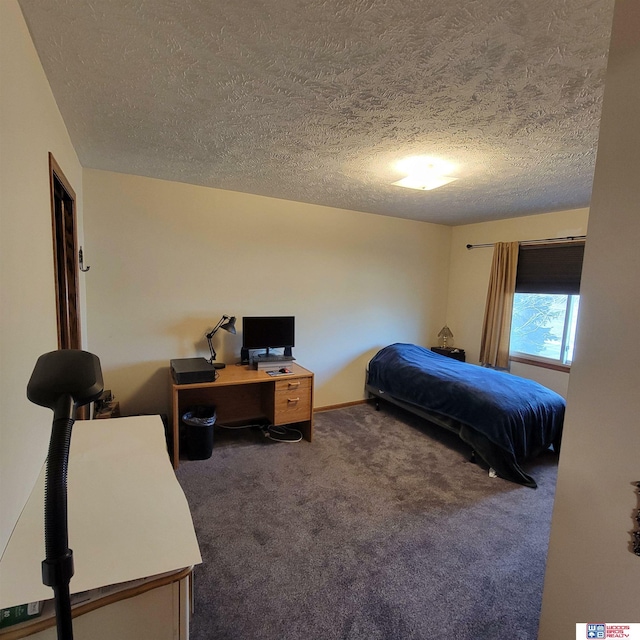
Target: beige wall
point(469, 278)
point(168, 259)
point(592, 574)
point(30, 127)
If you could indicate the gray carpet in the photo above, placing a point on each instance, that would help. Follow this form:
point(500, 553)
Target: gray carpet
point(379, 529)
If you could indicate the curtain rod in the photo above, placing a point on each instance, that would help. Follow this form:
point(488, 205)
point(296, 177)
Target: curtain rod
point(543, 241)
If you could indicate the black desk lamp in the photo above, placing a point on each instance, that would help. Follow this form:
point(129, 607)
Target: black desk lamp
point(63, 381)
point(229, 326)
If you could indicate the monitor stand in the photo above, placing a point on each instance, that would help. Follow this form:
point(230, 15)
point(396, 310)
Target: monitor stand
point(267, 356)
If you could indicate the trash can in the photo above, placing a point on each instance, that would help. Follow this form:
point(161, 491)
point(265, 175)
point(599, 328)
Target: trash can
point(199, 423)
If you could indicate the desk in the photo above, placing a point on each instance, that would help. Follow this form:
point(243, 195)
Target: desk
point(242, 394)
point(129, 522)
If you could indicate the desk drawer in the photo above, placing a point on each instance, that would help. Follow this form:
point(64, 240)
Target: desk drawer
point(293, 400)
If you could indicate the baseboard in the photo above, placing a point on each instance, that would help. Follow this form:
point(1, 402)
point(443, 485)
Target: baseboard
point(343, 405)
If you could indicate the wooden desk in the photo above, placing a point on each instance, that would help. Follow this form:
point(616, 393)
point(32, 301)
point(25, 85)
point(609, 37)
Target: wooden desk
point(242, 395)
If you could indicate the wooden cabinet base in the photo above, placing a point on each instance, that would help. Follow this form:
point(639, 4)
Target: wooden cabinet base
point(158, 608)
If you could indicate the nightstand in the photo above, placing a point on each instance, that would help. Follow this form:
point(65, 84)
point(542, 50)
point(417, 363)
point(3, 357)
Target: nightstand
point(450, 352)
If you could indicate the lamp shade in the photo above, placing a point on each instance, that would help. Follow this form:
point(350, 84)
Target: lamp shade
point(230, 326)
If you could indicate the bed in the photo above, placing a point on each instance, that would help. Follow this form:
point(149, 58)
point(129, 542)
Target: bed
point(504, 418)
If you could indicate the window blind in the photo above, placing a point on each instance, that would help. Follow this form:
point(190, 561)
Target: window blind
point(552, 268)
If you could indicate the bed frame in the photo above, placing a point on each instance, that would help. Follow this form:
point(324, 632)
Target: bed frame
point(442, 421)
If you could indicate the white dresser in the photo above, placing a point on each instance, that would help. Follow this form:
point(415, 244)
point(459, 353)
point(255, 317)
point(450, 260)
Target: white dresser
point(131, 533)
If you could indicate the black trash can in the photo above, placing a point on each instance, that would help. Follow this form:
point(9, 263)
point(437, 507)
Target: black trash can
point(199, 423)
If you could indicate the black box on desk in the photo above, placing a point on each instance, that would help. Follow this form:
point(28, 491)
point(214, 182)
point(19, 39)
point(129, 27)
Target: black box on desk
point(192, 370)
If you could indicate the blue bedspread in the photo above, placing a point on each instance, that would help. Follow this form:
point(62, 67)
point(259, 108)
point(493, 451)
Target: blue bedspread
point(519, 416)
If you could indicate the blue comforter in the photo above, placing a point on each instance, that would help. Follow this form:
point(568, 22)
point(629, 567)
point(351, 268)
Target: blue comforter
point(520, 417)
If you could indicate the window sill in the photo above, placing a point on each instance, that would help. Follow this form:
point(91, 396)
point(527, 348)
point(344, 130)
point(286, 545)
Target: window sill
point(545, 364)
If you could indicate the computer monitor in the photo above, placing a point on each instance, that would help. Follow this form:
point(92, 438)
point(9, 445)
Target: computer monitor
point(268, 332)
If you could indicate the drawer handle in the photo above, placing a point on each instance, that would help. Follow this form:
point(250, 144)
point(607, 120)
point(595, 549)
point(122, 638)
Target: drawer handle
point(292, 400)
point(294, 384)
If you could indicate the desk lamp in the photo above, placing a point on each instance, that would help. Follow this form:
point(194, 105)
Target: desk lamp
point(230, 326)
point(63, 381)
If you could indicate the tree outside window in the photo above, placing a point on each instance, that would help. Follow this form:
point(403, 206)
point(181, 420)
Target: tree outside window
point(544, 326)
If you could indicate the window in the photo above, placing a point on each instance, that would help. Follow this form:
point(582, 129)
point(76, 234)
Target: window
point(545, 308)
point(544, 326)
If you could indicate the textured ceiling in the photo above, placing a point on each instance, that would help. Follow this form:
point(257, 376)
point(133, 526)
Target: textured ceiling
point(315, 100)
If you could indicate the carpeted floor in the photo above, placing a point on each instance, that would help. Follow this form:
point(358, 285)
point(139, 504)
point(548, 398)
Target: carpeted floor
point(379, 529)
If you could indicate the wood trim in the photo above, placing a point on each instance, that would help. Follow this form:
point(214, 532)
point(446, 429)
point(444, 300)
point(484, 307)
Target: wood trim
point(69, 332)
point(342, 405)
point(54, 168)
point(56, 171)
point(545, 364)
point(32, 627)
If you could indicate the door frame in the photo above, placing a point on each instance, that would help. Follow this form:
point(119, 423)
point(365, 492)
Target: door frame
point(65, 257)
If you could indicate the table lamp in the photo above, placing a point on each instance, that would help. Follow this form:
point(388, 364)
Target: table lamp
point(228, 323)
point(444, 335)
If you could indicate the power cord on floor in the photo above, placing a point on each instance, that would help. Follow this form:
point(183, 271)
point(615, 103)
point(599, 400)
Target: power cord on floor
point(277, 433)
point(282, 434)
point(240, 426)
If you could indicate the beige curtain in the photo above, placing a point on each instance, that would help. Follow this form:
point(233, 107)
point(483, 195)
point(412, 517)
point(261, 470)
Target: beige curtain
point(496, 328)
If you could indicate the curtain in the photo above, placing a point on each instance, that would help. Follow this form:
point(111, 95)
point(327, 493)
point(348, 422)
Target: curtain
point(496, 327)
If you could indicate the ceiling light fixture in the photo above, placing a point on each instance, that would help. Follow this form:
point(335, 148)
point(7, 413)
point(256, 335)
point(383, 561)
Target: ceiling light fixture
point(424, 173)
point(423, 182)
